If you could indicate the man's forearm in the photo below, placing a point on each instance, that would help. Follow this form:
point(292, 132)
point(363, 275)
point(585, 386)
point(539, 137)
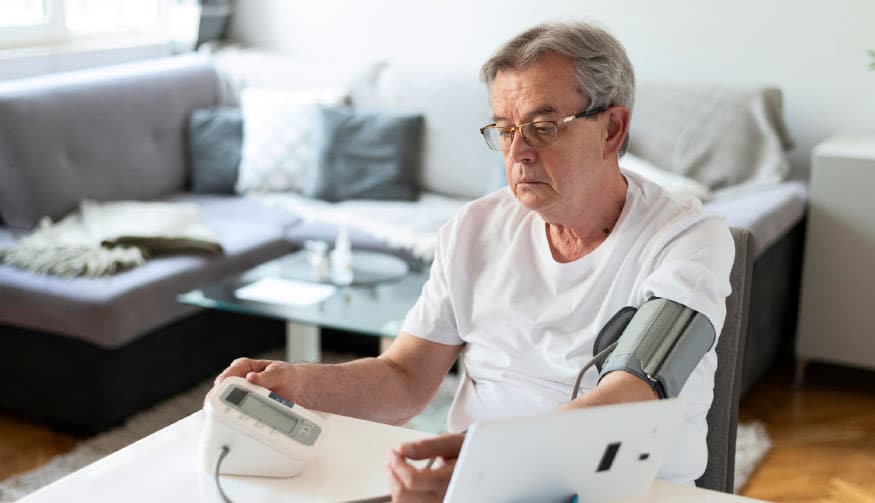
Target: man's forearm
point(616, 387)
point(369, 388)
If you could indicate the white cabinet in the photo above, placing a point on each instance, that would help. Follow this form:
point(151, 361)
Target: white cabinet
point(837, 307)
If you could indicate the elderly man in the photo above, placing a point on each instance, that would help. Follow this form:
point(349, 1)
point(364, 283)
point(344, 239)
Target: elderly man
point(525, 278)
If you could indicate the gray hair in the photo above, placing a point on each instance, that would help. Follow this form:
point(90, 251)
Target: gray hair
point(604, 72)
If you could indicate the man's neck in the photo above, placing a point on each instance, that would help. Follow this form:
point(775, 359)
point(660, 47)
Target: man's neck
point(577, 238)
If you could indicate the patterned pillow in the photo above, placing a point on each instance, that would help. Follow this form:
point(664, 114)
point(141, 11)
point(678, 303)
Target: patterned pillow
point(278, 137)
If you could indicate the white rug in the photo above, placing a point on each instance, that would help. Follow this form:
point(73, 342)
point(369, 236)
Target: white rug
point(752, 443)
point(751, 446)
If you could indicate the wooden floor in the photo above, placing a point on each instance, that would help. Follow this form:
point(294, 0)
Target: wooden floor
point(823, 435)
point(26, 445)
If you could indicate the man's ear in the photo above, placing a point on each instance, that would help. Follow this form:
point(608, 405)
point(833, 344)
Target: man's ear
point(616, 129)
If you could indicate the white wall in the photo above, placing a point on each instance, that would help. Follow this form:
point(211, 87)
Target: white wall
point(814, 50)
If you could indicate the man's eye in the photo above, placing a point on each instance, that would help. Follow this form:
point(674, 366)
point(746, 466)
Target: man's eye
point(505, 133)
point(545, 129)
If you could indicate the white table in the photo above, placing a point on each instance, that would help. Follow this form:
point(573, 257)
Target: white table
point(164, 467)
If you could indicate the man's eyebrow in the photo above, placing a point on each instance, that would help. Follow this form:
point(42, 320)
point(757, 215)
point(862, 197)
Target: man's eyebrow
point(541, 110)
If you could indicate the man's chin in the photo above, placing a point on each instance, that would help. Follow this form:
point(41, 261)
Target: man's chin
point(528, 200)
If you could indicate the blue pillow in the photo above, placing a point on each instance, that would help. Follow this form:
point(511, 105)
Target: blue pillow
point(215, 137)
point(364, 155)
point(498, 179)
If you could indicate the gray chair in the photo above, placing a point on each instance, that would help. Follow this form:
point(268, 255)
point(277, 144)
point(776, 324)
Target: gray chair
point(723, 416)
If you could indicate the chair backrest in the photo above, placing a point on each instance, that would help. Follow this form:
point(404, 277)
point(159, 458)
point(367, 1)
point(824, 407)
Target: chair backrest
point(723, 415)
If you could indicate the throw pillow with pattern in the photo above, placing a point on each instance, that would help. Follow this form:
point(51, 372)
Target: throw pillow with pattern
point(278, 137)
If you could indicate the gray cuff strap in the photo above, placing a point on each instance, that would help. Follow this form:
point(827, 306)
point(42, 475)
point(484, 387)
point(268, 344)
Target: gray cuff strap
point(662, 344)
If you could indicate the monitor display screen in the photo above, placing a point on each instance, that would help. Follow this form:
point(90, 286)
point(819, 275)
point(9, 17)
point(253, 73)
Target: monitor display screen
point(261, 410)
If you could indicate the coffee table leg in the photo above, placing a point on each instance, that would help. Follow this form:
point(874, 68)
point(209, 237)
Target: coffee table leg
point(302, 343)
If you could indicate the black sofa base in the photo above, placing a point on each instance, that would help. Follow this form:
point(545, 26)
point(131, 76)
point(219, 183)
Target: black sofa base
point(774, 304)
point(78, 387)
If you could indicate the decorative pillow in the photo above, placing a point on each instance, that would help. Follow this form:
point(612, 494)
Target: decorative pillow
point(455, 104)
point(671, 182)
point(364, 155)
point(498, 177)
point(278, 137)
point(718, 136)
point(215, 137)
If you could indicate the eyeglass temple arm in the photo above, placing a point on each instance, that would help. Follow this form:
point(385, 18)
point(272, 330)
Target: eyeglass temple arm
point(588, 113)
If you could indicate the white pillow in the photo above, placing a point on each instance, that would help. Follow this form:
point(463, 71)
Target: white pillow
point(277, 137)
point(672, 182)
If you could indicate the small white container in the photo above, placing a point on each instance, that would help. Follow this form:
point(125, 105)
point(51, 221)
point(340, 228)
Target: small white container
point(318, 259)
point(341, 259)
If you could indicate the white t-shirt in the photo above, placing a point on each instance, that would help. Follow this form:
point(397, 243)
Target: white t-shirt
point(529, 323)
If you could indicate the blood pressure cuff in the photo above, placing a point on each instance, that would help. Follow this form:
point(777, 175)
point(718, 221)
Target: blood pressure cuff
point(661, 343)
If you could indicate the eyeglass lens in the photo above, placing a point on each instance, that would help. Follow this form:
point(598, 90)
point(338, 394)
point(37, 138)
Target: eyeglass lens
point(536, 134)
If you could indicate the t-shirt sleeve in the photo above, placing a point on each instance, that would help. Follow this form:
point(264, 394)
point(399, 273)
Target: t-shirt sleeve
point(433, 317)
point(693, 267)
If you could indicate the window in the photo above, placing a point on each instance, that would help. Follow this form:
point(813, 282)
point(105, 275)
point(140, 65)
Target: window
point(48, 22)
point(98, 17)
point(22, 13)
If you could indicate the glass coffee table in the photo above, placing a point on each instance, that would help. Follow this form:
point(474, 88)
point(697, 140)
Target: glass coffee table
point(375, 304)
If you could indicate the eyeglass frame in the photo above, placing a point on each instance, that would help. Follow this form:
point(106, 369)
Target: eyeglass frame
point(556, 123)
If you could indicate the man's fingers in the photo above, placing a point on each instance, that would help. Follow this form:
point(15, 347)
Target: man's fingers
point(270, 376)
point(426, 480)
point(445, 446)
point(402, 494)
point(395, 485)
point(242, 366)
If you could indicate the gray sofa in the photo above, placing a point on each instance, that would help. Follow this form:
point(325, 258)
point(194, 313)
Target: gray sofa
point(85, 353)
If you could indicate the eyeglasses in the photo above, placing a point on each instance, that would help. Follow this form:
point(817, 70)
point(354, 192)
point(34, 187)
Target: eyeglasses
point(535, 134)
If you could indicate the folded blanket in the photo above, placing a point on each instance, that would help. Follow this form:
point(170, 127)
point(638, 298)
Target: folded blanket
point(408, 225)
point(100, 239)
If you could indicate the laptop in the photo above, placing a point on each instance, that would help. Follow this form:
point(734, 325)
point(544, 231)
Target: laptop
point(598, 453)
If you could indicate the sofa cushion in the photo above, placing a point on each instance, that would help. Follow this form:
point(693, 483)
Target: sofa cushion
point(719, 136)
point(110, 312)
point(364, 155)
point(105, 134)
point(278, 130)
point(215, 138)
point(769, 213)
point(455, 104)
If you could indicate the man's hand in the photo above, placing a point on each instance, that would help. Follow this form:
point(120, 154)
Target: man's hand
point(272, 374)
point(408, 483)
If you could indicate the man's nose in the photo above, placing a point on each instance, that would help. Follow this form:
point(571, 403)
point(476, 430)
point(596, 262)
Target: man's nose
point(519, 150)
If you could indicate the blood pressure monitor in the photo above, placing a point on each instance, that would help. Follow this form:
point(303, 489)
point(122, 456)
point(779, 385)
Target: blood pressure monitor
point(264, 434)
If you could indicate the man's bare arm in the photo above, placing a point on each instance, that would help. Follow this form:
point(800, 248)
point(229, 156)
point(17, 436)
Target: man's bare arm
point(391, 388)
point(616, 387)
